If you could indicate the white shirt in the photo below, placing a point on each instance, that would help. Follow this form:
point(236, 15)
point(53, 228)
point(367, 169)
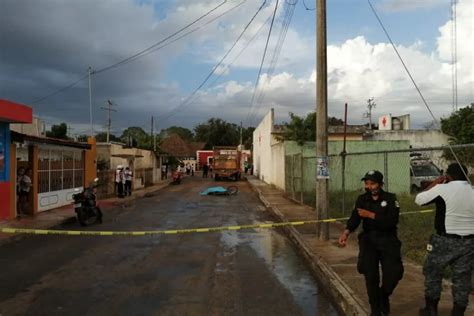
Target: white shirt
point(128, 175)
point(118, 175)
point(459, 199)
point(25, 183)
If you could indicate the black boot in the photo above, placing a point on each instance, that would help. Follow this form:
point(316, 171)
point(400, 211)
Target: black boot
point(458, 310)
point(375, 311)
point(431, 307)
point(384, 303)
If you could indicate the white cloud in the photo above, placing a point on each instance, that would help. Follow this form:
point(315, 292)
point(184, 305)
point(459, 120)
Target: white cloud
point(409, 5)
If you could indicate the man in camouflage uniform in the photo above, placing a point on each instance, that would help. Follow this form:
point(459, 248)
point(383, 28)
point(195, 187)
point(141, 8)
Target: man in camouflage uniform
point(453, 243)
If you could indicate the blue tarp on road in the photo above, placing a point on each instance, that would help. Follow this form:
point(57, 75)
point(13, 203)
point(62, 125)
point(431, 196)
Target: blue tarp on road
point(214, 190)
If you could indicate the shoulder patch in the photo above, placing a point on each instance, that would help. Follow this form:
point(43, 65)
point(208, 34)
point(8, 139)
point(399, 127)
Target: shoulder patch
point(397, 204)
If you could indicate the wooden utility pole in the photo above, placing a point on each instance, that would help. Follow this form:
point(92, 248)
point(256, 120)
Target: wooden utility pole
point(322, 203)
point(109, 118)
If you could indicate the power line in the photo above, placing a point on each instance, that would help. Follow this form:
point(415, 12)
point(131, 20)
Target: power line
point(38, 100)
point(416, 86)
point(138, 55)
point(454, 55)
point(133, 57)
point(187, 33)
point(307, 8)
point(188, 99)
point(263, 60)
point(289, 11)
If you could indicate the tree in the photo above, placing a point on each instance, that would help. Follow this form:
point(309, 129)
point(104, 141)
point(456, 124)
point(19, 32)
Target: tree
point(58, 131)
point(139, 137)
point(460, 127)
point(185, 133)
point(217, 132)
point(247, 137)
point(102, 137)
point(302, 130)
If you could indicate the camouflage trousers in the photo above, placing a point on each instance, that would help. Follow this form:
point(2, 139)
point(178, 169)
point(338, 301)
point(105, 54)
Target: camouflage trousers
point(456, 253)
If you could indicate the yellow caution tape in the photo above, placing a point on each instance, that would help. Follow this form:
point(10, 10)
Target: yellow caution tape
point(9, 230)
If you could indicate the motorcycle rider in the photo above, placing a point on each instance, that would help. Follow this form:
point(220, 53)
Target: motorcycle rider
point(90, 195)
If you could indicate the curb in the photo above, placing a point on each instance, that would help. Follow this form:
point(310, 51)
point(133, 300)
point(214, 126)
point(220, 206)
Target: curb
point(339, 292)
point(71, 219)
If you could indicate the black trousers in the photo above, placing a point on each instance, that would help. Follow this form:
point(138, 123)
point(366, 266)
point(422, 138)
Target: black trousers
point(384, 250)
point(128, 187)
point(119, 188)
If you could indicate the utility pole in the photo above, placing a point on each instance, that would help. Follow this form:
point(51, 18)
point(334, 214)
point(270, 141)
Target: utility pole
point(370, 105)
point(89, 71)
point(69, 129)
point(154, 137)
point(152, 132)
point(109, 119)
point(322, 201)
point(240, 134)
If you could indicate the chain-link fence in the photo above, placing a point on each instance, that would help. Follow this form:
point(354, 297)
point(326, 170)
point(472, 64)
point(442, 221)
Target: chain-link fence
point(406, 172)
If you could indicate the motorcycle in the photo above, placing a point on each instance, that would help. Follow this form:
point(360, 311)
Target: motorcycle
point(86, 205)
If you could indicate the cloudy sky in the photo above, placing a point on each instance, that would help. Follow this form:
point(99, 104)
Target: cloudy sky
point(48, 44)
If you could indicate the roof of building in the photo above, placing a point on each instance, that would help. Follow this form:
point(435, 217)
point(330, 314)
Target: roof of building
point(14, 112)
point(19, 137)
point(178, 147)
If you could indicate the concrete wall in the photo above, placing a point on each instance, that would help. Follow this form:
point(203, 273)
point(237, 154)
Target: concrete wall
point(36, 128)
point(417, 138)
point(106, 151)
point(268, 153)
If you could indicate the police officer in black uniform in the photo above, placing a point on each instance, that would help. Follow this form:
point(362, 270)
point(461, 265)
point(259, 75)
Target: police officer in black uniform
point(378, 242)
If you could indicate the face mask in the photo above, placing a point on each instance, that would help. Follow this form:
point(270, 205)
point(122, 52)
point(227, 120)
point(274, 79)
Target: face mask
point(373, 192)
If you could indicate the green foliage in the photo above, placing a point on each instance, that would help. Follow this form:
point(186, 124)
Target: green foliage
point(217, 132)
point(460, 125)
point(140, 138)
point(58, 131)
point(303, 130)
point(102, 137)
point(185, 133)
point(103, 164)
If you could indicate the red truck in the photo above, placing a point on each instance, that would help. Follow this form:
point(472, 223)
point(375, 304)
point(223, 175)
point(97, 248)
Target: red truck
point(226, 163)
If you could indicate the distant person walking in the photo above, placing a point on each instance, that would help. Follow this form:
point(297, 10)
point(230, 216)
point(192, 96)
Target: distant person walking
point(164, 172)
point(188, 169)
point(453, 243)
point(205, 170)
point(128, 181)
point(192, 170)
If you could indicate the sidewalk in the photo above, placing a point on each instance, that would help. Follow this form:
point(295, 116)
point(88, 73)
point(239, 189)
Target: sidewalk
point(335, 267)
point(64, 214)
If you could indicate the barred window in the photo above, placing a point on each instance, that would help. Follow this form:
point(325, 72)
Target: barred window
point(60, 170)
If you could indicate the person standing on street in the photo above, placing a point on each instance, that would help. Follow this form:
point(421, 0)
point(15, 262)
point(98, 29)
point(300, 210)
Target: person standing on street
point(453, 243)
point(119, 181)
point(164, 171)
point(205, 170)
point(378, 242)
point(128, 181)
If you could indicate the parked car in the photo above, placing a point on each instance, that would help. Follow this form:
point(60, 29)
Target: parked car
point(422, 172)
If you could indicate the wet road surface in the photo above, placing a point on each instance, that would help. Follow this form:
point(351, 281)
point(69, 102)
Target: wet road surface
point(253, 272)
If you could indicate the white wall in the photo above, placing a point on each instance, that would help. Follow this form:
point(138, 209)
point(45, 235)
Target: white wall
point(268, 153)
point(417, 138)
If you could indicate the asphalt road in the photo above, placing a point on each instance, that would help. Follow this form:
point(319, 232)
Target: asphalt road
point(253, 272)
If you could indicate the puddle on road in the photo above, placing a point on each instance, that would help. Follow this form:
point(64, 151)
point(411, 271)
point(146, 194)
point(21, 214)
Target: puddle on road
point(286, 265)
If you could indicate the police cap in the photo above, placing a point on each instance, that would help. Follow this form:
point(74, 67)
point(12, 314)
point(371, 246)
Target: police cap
point(374, 175)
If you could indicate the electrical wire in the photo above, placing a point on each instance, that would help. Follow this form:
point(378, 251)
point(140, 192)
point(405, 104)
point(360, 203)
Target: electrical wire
point(454, 53)
point(289, 11)
point(435, 120)
point(138, 55)
point(39, 100)
point(188, 99)
point(257, 81)
point(307, 8)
